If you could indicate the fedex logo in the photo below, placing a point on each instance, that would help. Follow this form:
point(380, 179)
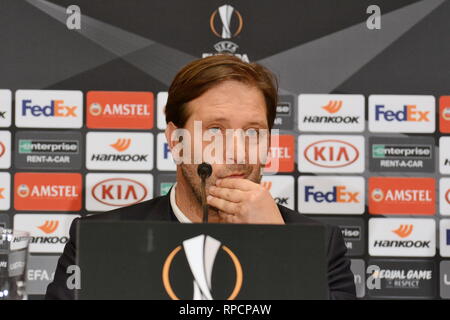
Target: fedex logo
point(331, 195)
point(56, 108)
point(164, 158)
point(5, 108)
point(49, 109)
point(408, 113)
point(166, 150)
point(444, 235)
point(392, 113)
point(339, 194)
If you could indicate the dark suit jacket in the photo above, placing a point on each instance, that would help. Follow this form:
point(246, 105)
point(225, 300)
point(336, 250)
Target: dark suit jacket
point(340, 278)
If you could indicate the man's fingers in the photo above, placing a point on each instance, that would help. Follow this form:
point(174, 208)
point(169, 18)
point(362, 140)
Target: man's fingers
point(223, 205)
point(236, 183)
point(233, 195)
point(226, 217)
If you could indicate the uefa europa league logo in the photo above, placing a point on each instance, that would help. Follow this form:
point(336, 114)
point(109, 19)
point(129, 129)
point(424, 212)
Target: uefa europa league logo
point(201, 253)
point(225, 14)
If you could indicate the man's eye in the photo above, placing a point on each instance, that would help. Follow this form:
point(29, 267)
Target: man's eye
point(214, 130)
point(251, 132)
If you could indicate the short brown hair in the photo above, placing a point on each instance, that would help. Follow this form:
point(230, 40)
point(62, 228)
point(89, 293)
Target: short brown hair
point(203, 74)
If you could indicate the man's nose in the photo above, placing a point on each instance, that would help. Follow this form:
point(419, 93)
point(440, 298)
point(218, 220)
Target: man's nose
point(235, 147)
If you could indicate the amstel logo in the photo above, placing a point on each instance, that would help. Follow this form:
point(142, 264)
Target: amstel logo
point(444, 112)
point(201, 252)
point(95, 109)
point(377, 195)
point(23, 191)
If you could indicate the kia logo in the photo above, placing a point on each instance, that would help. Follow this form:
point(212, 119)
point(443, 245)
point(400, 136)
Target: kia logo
point(2, 149)
point(119, 192)
point(331, 153)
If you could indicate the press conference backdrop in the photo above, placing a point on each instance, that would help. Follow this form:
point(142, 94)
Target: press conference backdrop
point(364, 119)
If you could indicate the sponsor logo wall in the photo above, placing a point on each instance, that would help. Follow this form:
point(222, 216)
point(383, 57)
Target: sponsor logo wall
point(344, 174)
point(377, 166)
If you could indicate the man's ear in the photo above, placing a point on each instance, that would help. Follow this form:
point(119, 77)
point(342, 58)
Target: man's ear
point(170, 129)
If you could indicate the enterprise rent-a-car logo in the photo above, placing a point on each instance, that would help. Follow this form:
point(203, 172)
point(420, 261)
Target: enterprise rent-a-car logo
point(401, 154)
point(48, 150)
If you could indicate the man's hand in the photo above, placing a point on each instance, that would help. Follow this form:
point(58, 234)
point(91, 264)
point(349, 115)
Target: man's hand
point(243, 201)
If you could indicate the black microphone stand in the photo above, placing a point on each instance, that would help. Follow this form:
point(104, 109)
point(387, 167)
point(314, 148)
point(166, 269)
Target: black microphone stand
point(204, 170)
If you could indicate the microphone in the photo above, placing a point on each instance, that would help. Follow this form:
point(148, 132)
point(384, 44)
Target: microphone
point(204, 170)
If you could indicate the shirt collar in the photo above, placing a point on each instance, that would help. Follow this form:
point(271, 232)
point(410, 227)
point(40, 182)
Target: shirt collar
point(176, 210)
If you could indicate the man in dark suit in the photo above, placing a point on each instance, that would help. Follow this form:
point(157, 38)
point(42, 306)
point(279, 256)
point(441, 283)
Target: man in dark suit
point(224, 99)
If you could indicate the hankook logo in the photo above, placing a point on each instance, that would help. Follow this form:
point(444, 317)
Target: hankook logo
point(395, 237)
point(121, 144)
point(333, 106)
point(49, 226)
point(404, 230)
point(201, 253)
